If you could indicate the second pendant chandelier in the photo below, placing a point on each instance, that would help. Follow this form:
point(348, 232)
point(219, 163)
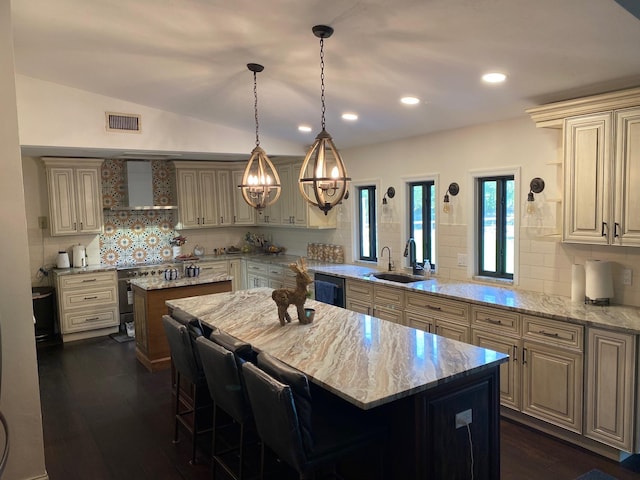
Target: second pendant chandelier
point(323, 178)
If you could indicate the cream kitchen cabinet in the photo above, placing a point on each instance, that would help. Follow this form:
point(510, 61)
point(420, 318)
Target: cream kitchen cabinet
point(601, 170)
point(205, 195)
point(442, 316)
point(87, 304)
point(196, 197)
point(380, 301)
point(291, 210)
point(75, 195)
point(229, 267)
point(243, 213)
point(264, 275)
point(552, 371)
point(224, 198)
point(610, 393)
point(544, 375)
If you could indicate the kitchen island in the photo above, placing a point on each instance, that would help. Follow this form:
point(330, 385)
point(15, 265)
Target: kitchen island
point(419, 382)
point(149, 297)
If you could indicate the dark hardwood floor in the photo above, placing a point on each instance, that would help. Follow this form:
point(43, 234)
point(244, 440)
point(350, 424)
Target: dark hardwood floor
point(106, 417)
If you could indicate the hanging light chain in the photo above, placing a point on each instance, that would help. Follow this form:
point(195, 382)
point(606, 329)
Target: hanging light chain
point(322, 79)
point(255, 105)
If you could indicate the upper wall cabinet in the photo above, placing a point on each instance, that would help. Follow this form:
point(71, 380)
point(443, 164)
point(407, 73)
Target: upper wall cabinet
point(291, 210)
point(601, 166)
point(207, 197)
point(75, 200)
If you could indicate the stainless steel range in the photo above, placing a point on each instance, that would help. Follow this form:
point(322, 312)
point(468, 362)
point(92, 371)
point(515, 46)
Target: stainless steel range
point(125, 294)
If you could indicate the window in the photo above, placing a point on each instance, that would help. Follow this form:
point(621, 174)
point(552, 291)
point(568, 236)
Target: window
point(496, 244)
point(422, 220)
point(367, 223)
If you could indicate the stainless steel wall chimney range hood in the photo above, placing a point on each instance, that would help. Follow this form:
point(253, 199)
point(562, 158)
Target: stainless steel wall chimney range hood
point(139, 184)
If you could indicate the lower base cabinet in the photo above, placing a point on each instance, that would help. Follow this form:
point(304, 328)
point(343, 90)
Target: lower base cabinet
point(552, 385)
point(611, 376)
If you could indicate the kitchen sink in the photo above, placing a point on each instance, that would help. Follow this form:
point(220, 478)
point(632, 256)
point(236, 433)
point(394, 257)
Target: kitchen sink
point(398, 277)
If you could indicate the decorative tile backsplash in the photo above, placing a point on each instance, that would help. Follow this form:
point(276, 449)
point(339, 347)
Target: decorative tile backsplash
point(137, 236)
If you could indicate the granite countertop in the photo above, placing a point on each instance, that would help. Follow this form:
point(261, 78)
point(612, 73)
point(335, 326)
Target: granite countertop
point(159, 283)
point(618, 317)
point(351, 354)
point(87, 269)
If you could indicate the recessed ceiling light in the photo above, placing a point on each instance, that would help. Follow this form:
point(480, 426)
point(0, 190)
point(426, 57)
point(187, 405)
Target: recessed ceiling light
point(410, 100)
point(349, 116)
point(304, 128)
point(494, 77)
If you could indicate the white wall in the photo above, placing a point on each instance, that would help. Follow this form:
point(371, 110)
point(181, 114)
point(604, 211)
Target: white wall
point(56, 115)
point(20, 400)
point(544, 262)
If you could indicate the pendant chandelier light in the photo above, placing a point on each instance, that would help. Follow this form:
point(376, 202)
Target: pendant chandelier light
point(323, 178)
point(260, 182)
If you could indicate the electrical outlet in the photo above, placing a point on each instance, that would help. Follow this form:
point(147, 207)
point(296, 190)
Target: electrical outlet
point(464, 418)
point(462, 259)
point(42, 223)
point(627, 276)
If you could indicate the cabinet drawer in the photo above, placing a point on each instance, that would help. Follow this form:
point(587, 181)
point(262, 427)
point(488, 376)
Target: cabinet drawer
point(87, 280)
point(496, 320)
point(276, 271)
point(388, 297)
point(394, 316)
point(360, 290)
point(257, 268)
point(89, 298)
point(438, 307)
point(213, 267)
point(89, 320)
point(553, 332)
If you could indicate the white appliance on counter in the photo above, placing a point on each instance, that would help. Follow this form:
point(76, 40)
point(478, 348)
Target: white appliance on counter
point(79, 256)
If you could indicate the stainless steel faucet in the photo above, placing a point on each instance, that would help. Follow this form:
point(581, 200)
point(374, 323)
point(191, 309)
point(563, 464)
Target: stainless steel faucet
point(382, 254)
point(410, 251)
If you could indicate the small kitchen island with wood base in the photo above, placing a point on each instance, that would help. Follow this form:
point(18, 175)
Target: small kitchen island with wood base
point(149, 297)
point(420, 383)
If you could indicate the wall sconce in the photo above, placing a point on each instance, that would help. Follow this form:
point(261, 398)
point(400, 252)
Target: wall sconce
point(387, 211)
point(391, 192)
point(536, 186)
point(453, 189)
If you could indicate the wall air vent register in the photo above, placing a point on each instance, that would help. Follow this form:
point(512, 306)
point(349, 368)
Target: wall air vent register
point(123, 122)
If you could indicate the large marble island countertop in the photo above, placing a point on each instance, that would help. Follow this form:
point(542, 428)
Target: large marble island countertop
point(365, 360)
point(159, 283)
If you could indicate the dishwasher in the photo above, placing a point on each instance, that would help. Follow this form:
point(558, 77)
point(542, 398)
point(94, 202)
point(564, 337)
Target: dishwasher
point(329, 289)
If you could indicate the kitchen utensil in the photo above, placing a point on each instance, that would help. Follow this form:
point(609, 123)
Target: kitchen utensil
point(79, 256)
point(62, 261)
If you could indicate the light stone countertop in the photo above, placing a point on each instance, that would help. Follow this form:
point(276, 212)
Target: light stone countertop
point(87, 269)
point(617, 317)
point(364, 360)
point(159, 283)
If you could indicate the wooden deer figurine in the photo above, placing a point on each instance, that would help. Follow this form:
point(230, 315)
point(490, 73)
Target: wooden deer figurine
point(286, 296)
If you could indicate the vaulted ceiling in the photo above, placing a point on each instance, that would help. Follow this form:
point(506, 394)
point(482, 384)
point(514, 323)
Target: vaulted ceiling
point(190, 56)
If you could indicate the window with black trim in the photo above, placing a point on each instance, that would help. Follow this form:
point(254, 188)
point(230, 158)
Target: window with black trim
point(496, 225)
point(422, 220)
point(367, 223)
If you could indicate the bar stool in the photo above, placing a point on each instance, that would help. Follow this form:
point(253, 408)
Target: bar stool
point(287, 423)
point(184, 360)
point(222, 368)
